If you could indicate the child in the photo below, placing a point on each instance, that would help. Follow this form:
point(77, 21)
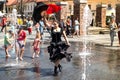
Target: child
point(7, 42)
point(29, 25)
point(36, 45)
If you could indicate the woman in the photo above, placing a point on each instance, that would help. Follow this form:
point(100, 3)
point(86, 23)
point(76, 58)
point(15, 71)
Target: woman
point(112, 27)
point(4, 22)
point(41, 27)
point(68, 26)
point(57, 46)
point(119, 33)
point(76, 27)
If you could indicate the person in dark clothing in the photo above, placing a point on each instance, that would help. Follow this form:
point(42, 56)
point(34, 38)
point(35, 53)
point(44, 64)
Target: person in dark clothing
point(62, 24)
point(68, 26)
point(119, 33)
point(4, 22)
point(57, 48)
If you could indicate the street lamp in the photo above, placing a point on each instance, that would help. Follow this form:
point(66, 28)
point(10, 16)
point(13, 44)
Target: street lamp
point(21, 7)
point(3, 2)
point(6, 6)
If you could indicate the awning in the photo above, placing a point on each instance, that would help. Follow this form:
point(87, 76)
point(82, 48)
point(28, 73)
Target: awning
point(26, 1)
point(14, 2)
point(41, 0)
point(46, 0)
point(11, 2)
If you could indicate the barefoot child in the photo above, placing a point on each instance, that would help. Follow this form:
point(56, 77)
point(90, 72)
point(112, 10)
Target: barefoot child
point(36, 45)
point(8, 43)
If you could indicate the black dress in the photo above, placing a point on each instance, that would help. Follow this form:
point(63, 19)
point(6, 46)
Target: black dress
point(57, 48)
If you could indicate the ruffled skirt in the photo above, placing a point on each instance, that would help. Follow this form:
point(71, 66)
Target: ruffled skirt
point(57, 51)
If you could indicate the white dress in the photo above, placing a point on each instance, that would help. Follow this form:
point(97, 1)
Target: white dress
point(76, 25)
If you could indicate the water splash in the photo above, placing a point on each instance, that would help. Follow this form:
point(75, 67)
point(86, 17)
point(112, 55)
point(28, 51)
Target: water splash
point(87, 19)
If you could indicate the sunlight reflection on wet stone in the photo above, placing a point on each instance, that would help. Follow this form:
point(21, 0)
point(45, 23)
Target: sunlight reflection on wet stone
point(15, 64)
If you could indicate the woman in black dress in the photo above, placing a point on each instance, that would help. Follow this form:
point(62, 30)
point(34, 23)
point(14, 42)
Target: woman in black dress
point(57, 48)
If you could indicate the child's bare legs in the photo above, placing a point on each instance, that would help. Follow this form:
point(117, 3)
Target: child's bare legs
point(37, 53)
point(17, 54)
point(6, 51)
point(33, 55)
point(21, 53)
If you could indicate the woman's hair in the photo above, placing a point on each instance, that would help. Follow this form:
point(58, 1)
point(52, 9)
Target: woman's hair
point(38, 35)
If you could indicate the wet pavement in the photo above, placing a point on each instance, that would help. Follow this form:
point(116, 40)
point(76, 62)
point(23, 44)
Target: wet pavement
point(97, 63)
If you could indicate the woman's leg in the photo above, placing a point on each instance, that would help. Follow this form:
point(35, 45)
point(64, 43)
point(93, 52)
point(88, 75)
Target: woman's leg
point(112, 37)
point(2, 28)
point(55, 67)
point(77, 32)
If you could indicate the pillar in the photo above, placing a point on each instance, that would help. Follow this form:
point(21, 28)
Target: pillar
point(117, 13)
point(101, 15)
point(78, 11)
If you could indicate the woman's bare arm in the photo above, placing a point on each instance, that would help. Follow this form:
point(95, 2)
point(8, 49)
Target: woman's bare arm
point(65, 37)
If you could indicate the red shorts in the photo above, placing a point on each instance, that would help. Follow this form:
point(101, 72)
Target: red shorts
point(29, 30)
point(36, 49)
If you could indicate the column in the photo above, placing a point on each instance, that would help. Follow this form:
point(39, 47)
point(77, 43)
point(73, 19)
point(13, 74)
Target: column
point(78, 11)
point(101, 15)
point(117, 13)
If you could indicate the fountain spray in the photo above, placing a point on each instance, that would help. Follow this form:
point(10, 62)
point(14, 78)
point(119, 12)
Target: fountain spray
point(86, 21)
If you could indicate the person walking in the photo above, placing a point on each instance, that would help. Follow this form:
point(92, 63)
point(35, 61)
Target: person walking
point(112, 27)
point(119, 33)
point(76, 27)
point(68, 26)
point(36, 44)
point(112, 16)
point(57, 46)
point(4, 22)
point(41, 28)
point(62, 24)
point(29, 25)
point(19, 22)
point(20, 43)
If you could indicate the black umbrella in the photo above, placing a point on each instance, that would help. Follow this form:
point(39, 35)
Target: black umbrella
point(40, 7)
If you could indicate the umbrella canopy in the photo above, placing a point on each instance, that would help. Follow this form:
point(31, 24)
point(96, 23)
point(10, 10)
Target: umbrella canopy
point(53, 8)
point(47, 8)
point(39, 8)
